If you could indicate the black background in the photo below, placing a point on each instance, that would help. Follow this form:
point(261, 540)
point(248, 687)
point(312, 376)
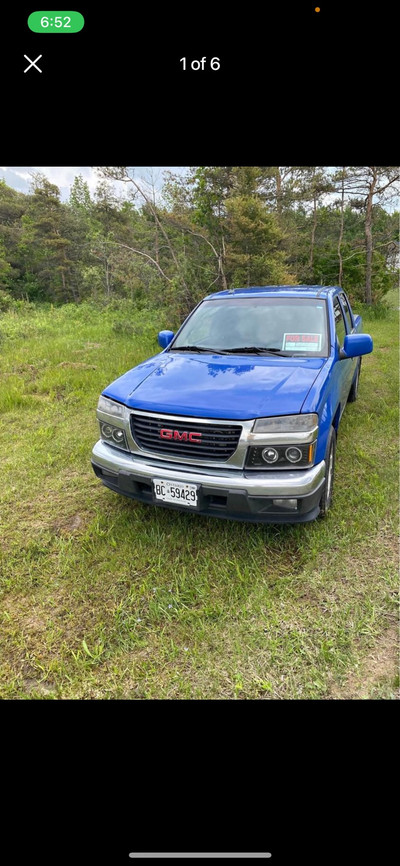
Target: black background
point(308, 781)
point(90, 781)
point(294, 87)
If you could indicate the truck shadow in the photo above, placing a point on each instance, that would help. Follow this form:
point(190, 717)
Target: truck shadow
point(204, 541)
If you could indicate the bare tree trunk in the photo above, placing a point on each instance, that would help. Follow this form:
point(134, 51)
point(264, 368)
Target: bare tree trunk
point(368, 238)
point(314, 226)
point(73, 291)
point(153, 195)
point(368, 241)
point(156, 254)
point(222, 273)
point(278, 178)
point(158, 222)
point(341, 232)
point(139, 253)
point(221, 260)
point(220, 256)
point(108, 281)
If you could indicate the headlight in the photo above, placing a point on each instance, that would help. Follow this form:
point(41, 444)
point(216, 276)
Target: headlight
point(113, 435)
point(293, 454)
point(281, 456)
point(286, 424)
point(270, 455)
point(111, 407)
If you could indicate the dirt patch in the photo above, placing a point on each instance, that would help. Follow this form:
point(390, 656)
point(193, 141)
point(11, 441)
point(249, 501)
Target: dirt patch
point(28, 370)
point(35, 622)
point(71, 524)
point(31, 685)
point(381, 664)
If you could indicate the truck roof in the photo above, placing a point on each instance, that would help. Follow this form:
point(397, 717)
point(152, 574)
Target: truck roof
point(283, 291)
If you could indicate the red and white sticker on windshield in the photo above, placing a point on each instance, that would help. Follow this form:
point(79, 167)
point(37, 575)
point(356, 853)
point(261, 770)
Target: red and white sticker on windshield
point(302, 342)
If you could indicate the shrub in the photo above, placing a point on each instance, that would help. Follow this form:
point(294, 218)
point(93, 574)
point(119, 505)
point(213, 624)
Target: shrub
point(379, 310)
point(6, 301)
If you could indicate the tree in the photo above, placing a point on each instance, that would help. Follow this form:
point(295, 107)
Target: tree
point(212, 228)
point(12, 208)
point(5, 267)
point(79, 198)
point(364, 185)
point(126, 176)
point(44, 245)
point(314, 183)
point(109, 226)
point(341, 178)
point(279, 188)
point(253, 256)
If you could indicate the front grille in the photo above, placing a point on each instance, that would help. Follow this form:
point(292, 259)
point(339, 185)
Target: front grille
point(218, 441)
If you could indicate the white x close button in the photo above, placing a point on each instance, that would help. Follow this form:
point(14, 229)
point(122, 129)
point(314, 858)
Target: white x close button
point(33, 63)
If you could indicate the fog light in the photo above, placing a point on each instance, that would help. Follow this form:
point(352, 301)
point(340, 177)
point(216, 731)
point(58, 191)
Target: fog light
point(270, 455)
point(293, 454)
point(285, 503)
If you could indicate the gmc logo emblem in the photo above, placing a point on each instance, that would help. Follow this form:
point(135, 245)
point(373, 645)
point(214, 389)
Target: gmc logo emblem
point(165, 433)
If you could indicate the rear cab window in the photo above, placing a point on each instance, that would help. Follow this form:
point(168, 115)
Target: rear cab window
point(347, 312)
point(340, 326)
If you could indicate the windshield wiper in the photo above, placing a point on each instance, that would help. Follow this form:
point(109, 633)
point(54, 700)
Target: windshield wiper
point(254, 350)
point(195, 349)
point(242, 350)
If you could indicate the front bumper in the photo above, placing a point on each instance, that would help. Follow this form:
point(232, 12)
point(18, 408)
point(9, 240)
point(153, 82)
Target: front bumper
point(229, 493)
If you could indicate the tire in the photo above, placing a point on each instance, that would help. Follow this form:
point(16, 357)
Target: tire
point(353, 393)
point(326, 498)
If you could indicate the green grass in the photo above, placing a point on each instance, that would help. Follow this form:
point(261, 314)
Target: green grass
point(102, 597)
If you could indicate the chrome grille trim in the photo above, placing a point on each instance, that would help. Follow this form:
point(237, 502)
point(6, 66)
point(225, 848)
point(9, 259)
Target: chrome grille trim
point(218, 441)
point(236, 460)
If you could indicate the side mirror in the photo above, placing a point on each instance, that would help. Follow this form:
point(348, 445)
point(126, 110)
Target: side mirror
point(164, 338)
point(356, 344)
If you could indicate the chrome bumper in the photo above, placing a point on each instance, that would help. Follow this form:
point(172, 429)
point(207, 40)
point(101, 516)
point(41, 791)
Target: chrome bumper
point(296, 484)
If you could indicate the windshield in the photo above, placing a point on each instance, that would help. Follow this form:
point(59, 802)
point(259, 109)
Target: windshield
point(283, 326)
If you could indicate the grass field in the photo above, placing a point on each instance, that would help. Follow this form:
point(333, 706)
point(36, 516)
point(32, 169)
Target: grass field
point(102, 597)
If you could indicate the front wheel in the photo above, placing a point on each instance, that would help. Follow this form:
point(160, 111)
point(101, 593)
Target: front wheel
point(326, 499)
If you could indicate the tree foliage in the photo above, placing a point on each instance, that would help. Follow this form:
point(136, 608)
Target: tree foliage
point(209, 229)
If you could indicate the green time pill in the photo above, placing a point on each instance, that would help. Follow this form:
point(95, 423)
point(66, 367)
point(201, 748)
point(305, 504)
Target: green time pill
point(56, 22)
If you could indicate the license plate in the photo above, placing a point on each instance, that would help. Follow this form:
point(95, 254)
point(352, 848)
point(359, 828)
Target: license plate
point(175, 491)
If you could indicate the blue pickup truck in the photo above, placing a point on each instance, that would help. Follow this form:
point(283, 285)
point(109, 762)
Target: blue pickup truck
point(238, 415)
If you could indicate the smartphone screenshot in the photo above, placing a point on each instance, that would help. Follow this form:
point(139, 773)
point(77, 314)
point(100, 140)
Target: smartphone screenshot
point(198, 409)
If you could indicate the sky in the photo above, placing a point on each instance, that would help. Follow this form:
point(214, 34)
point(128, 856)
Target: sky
point(19, 177)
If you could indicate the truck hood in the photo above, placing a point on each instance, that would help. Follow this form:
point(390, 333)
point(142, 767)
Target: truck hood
point(215, 386)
